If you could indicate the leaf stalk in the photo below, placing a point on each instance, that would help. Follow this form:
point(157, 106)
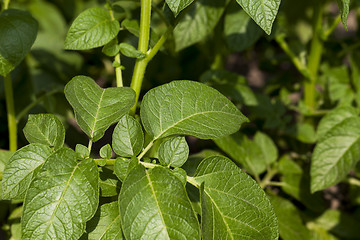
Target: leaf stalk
point(10, 108)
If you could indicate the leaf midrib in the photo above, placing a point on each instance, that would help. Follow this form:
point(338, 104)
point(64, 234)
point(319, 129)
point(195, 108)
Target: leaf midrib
point(96, 115)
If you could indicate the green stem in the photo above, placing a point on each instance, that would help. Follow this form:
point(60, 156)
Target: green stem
point(267, 179)
point(276, 184)
point(90, 144)
point(149, 165)
point(118, 71)
point(33, 104)
point(1, 174)
point(109, 162)
point(294, 59)
point(6, 4)
point(141, 64)
point(332, 27)
point(354, 181)
point(10, 108)
point(314, 56)
point(158, 45)
point(147, 148)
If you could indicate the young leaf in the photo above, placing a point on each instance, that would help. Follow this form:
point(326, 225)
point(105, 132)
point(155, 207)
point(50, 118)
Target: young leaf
point(198, 22)
point(344, 6)
point(96, 108)
point(243, 151)
point(129, 51)
point(233, 204)
point(291, 226)
point(154, 205)
point(334, 117)
point(336, 154)
point(112, 48)
point(240, 30)
point(106, 151)
point(105, 225)
point(189, 108)
point(267, 146)
point(18, 31)
point(177, 6)
point(46, 129)
point(21, 169)
point(174, 152)
point(262, 11)
point(180, 174)
point(92, 28)
point(82, 151)
point(63, 196)
point(108, 182)
point(128, 137)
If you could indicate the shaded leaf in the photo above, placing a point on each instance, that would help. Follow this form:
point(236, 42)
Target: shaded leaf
point(267, 147)
point(18, 32)
point(128, 137)
point(174, 152)
point(111, 49)
point(189, 108)
point(46, 129)
point(130, 51)
point(291, 226)
point(336, 154)
point(108, 183)
point(63, 196)
point(21, 168)
point(177, 6)
point(123, 166)
point(233, 204)
point(105, 225)
point(96, 108)
point(154, 205)
point(198, 22)
point(262, 11)
point(92, 28)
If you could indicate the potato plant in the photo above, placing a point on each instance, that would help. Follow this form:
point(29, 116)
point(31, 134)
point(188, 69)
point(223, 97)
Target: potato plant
point(114, 146)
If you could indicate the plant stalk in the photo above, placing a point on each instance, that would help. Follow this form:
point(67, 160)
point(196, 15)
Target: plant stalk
point(118, 71)
point(141, 64)
point(6, 4)
point(316, 51)
point(10, 108)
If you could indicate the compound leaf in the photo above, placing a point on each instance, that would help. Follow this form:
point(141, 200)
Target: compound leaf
point(128, 137)
point(154, 205)
point(46, 129)
point(189, 108)
point(18, 31)
point(233, 204)
point(96, 108)
point(336, 154)
point(262, 11)
point(174, 152)
point(105, 225)
point(21, 169)
point(63, 196)
point(92, 28)
point(177, 6)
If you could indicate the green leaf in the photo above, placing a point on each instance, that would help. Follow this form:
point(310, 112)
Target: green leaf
point(291, 226)
point(128, 137)
point(123, 166)
point(106, 151)
point(263, 12)
point(240, 30)
point(180, 174)
point(174, 151)
point(154, 205)
point(21, 168)
point(233, 204)
point(91, 29)
point(267, 146)
point(4, 158)
point(334, 117)
point(336, 154)
point(18, 31)
point(108, 182)
point(344, 6)
point(112, 48)
point(198, 22)
point(96, 108)
point(129, 51)
point(105, 225)
point(82, 151)
point(46, 129)
point(243, 151)
point(189, 108)
point(231, 85)
point(63, 196)
point(177, 6)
